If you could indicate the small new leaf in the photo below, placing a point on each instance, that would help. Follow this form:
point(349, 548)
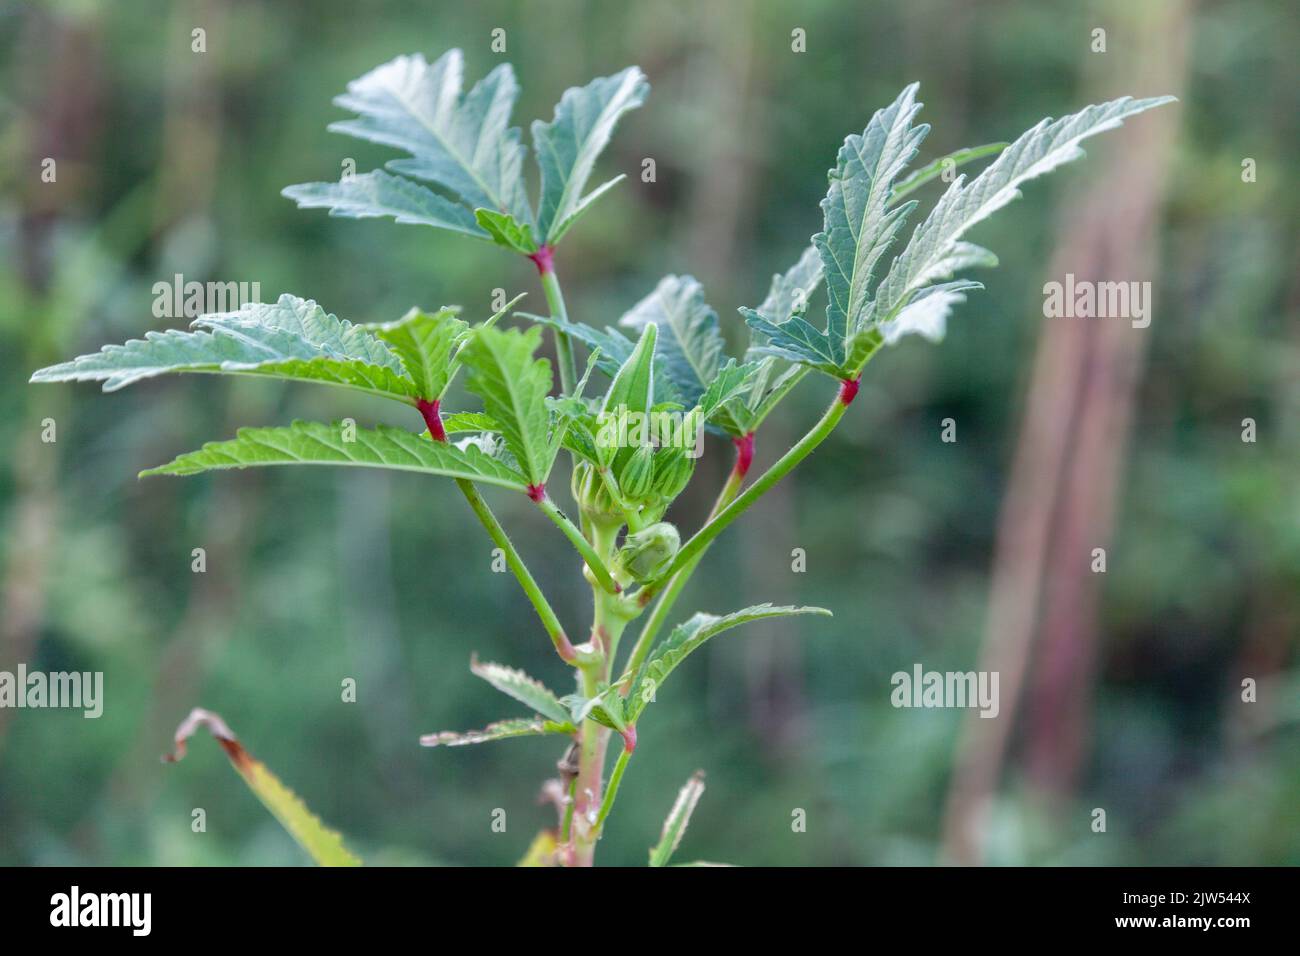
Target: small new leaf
point(506, 231)
point(501, 730)
point(679, 817)
point(528, 691)
point(514, 386)
point(425, 343)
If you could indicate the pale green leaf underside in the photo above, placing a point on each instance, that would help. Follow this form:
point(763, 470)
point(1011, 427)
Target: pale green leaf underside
point(687, 637)
point(689, 339)
point(462, 144)
point(528, 691)
point(378, 194)
point(501, 730)
point(934, 252)
point(859, 225)
point(568, 146)
point(316, 443)
point(293, 338)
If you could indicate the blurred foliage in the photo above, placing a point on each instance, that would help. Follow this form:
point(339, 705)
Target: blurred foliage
point(171, 161)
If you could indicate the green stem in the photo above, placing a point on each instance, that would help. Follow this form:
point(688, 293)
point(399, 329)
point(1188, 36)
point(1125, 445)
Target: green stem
point(801, 449)
point(663, 607)
point(555, 302)
point(607, 627)
point(594, 562)
point(516, 564)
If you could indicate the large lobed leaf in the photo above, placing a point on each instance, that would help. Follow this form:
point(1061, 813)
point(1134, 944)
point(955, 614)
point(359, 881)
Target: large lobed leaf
point(568, 146)
point(293, 338)
point(935, 251)
point(315, 443)
point(324, 845)
point(688, 637)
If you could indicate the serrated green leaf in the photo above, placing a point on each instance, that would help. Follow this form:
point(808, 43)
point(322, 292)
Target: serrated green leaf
point(500, 730)
point(731, 383)
point(960, 157)
point(514, 387)
point(688, 637)
point(679, 817)
point(568, 146)
point(461, 144)
point(528, 691)
point(315, 443)
point(322, 844)
point(935, 252)
point(795, 340)
point(605, 708)
point(506, 231)
point(859, 225)
point(425, 343)
point(292, 339)
point(378, 194)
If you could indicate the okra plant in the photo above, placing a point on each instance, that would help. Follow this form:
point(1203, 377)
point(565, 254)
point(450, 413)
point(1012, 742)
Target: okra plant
point(630, 437)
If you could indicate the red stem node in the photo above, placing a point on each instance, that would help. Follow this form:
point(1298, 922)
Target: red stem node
point(629, 738)
point(432, 418)
point(744, 453)
point(544, 259)
point(849, 389)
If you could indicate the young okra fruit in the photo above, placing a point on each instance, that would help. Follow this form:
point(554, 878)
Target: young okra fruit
point(631, 445)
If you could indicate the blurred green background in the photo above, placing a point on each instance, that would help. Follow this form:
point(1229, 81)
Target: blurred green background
point(170, 161)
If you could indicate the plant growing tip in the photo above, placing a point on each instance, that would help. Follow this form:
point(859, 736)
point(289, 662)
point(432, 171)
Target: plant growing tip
point(666, 361)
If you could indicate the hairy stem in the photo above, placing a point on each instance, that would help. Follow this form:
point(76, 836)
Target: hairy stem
point(663, 607)
point(594, 562)
point(544, 259)
point(607, 626)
